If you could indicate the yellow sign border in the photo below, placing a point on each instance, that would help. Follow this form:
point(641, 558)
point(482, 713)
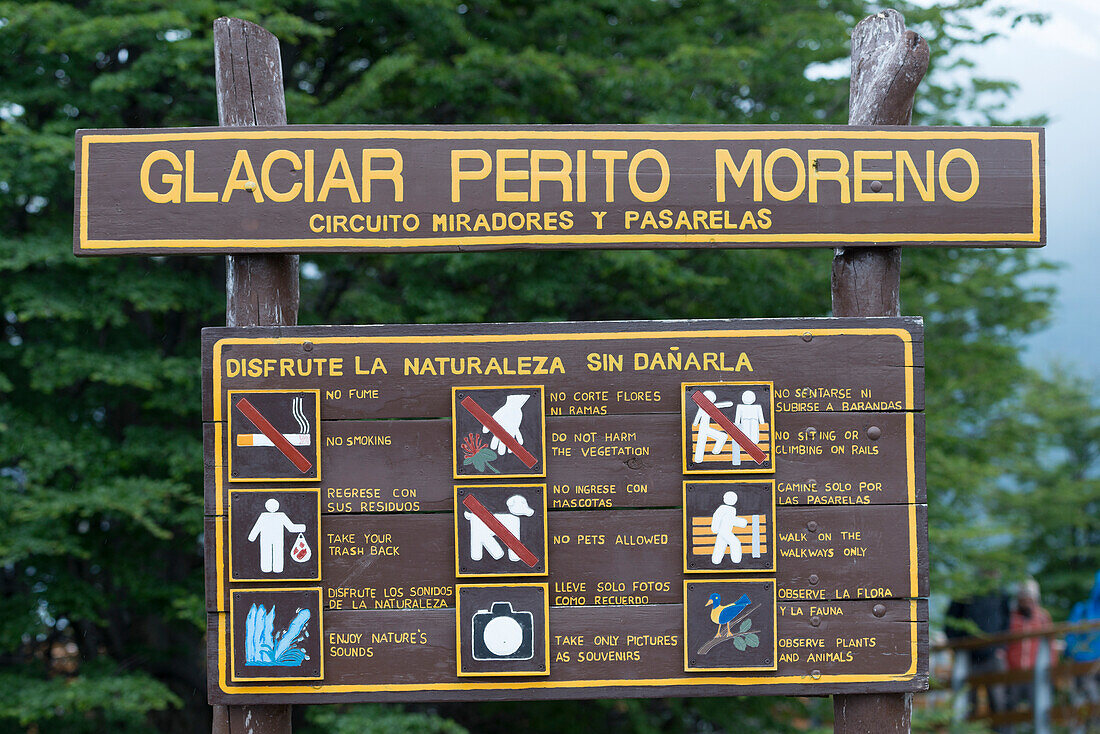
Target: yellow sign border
point(320, 633)
point(904, 335)
point(229, 531)
point(541, 474)
point(86, 244)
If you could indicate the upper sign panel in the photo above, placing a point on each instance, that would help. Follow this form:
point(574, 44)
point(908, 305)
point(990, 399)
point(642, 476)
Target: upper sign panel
point(342, 189)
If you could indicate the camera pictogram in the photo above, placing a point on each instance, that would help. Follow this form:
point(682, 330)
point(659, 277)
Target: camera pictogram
point(503, 629)
point(503, 633)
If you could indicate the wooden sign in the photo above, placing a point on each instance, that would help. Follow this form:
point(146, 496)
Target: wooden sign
point(451, 188)
point(565, 510)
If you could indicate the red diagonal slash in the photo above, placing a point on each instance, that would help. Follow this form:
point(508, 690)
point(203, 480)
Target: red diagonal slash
point(501, 532)
point(727, 425)
point(276, 437)
point(498, 430)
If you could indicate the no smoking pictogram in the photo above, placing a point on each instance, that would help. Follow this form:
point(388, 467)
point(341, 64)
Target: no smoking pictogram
point(274, 435)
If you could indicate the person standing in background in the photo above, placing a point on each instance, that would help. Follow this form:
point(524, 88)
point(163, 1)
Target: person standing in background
point(1084, 647)
point(986, 614)
point(1028, 615)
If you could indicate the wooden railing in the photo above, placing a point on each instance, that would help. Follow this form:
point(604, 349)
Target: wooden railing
point(1071, 706)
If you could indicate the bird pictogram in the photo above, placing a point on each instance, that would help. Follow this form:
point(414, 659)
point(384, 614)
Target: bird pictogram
point(725, 616)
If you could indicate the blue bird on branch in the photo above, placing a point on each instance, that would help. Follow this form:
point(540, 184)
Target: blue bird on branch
point(725, 614)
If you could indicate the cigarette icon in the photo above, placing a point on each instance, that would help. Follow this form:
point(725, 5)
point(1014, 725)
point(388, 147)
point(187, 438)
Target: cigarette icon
point(294, 439)
point(259, 439)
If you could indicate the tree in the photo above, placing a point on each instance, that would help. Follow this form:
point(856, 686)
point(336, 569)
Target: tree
point(1051, 489)
point(100, 457)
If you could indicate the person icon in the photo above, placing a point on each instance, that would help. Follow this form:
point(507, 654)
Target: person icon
point(747, 418)
point(482, 538)
point(722, 523)
point(707, 431)
point(269, 528)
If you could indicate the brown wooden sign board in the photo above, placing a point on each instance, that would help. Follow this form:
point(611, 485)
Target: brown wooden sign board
point(550, 511)
point(409, 462)
point(605, 558)
point(451, 188)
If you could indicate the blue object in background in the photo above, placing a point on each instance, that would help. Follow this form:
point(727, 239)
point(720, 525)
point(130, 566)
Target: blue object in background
point(1084, 647)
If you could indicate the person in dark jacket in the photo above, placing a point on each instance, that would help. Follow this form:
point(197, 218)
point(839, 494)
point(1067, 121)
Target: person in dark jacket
point(986, 614)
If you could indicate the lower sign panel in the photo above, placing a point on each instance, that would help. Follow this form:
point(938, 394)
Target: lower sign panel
point(593, 652)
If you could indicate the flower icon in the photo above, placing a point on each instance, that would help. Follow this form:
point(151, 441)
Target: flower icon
point(475, 453)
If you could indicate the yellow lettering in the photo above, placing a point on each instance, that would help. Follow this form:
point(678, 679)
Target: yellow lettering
point(458, 175)
point(582, 176)
point(235, 183)
point(968, 158)
point(800, 174)
point(392, 173)
point(561, 175)
point(840, 175)
point(189, 193)
point(861, 176)
point(723, 163)
point(265, 175)
point(925, 188)
point(309, 175)
point(172, 195)
point(609, 157)
point(504, 175)
point(632, 175)
point(338, 164)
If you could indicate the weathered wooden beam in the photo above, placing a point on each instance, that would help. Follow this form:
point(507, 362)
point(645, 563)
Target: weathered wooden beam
point(872, 713)
point(260, 290)
point(888, 63)
point(265, 719)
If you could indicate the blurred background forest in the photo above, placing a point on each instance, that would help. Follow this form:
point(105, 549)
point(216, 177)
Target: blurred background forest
point(101, 597)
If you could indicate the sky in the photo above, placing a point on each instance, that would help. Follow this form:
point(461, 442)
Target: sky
point(1057, 67)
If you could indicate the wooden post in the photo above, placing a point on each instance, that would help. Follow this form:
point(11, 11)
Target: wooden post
point(888, 62)
point(260, 290)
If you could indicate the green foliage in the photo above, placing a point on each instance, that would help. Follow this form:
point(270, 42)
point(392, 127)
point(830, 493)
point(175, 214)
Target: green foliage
point(1052, 497)
point(101, 610)
point(976, 308)
point(376, 719)
point(100, 698)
